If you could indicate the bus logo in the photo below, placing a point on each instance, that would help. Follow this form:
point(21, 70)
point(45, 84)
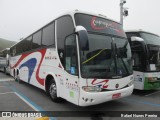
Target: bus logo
point(101, 83)
point(98, 24)
point(102, 25)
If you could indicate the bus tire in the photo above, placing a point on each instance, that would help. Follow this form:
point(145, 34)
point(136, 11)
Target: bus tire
point(52, 90)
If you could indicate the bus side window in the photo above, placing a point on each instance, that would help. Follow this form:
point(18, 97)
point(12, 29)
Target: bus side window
point(14, 51)
point(138, 56)
point(48, 35)
point(71, 63)
point(36, 42)
point(64, 28)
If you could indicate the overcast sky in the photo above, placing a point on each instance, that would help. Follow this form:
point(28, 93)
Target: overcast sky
point(19, 18)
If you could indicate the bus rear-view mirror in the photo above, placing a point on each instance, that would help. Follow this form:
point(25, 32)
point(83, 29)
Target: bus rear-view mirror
point(83, 38)
point(138, 39)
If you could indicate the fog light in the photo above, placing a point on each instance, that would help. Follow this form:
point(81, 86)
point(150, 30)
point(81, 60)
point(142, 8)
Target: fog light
point(86, 99)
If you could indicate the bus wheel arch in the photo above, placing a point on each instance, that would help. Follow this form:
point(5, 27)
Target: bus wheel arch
point(51, 88)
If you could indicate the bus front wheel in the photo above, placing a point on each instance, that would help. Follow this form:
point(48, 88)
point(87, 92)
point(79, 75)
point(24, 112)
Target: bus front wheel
point(52, 90)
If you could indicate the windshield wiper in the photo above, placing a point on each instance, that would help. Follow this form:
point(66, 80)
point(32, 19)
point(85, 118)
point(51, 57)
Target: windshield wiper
point(94, 56)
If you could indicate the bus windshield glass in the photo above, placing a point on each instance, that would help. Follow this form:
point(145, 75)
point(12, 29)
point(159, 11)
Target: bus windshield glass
point(99, 25)
point(109, 54)
point(150, 38)
point(153, 42)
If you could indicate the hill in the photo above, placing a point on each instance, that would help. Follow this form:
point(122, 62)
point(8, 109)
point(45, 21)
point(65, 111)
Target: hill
point(5, 43)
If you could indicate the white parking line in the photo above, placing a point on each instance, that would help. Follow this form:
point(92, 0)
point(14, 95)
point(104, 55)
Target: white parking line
point(8, 79)
point(21, 99)
point(6, 93)
point(26, 102)
point(152, 93)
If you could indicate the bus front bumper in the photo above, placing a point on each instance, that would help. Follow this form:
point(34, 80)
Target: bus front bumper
point(93, 98)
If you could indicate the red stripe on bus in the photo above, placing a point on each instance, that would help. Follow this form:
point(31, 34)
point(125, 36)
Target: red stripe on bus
point(103, 85)
point(40, 80)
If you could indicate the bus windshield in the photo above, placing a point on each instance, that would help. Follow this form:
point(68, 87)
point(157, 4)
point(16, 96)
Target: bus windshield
point(150, 38)
point(109, 55)
point(99, 25)
point(153, 43)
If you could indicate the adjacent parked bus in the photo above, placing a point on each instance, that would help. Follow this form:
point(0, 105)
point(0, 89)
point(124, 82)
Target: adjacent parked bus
point(83, 58)
point(145, 47)
point(4, 61)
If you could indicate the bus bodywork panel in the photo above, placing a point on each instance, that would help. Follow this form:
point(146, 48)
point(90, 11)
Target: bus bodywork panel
point(112, 89)
point(146, 81)
point(35, 66)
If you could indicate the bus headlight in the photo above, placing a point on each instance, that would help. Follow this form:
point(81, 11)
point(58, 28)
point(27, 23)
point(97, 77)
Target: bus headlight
point(91, 89)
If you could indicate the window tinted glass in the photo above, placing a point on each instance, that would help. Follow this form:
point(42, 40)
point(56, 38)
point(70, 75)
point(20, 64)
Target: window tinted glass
point(65, 27)
point(107, 57)
point(24, 45)
point(19, 48)
point(71, 55)
point(36, 40)
point(100, 25)
point(150, 38)
point(48, 35)
point(138, 60)
point(27, 44)
point(13, 51)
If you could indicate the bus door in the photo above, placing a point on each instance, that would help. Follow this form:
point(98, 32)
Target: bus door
point(139, 58)
point(67, 51)
point(71, 66)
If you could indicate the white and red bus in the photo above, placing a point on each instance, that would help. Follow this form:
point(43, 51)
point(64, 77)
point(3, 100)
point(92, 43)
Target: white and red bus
point(83, 58)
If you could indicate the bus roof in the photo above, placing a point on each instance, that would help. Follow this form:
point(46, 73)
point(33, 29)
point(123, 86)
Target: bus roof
point(140, 30)
point(89, 13)
point(71, 13)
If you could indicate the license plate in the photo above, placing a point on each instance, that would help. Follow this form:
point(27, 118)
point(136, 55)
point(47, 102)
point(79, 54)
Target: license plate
point(115, 96)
